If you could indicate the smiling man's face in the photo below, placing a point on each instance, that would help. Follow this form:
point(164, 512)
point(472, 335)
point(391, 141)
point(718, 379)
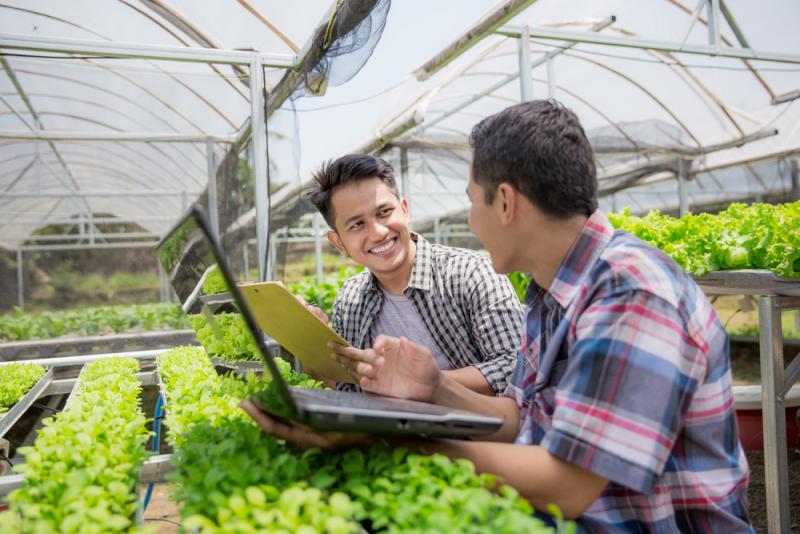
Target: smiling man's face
point(371, 226)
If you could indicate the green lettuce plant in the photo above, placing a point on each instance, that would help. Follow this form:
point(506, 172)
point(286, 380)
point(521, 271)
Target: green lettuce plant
point(15, 381)
point(755, 236)
point(220, 455)
point(323, 294)
point(214, 282)
point(229, 340)
point(82, 472)
point(91, 321)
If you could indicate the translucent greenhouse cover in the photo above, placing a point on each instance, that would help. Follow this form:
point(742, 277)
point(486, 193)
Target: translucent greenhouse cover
point(641, 108)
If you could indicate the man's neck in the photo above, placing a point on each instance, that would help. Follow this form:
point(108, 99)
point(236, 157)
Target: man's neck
point(551, 244)
point(396, 281)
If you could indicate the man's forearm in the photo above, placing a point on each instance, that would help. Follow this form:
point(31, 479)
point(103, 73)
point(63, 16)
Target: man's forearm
point(450, 392)
point(538, 476)
point(471, 378)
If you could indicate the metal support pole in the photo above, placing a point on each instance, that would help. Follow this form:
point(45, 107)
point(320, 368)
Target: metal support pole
point(795, 174)
point(38, 164)
point(684, 166)
point(404, 172)
point(773, 415)
point(733, 24)
point(404, 177)
point(184, 202)
point(162, 284)
point(273, 255)
point(525, 66)
point(20, 282)
point(551, 77)
point(318, 245)
point(437, 233)
point(213, 202)
point(259, 144)
point(246, 261)
point(713, 23)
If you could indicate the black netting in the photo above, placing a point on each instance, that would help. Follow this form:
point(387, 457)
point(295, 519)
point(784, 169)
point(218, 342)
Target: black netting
point(342, 46)
point(339, 49)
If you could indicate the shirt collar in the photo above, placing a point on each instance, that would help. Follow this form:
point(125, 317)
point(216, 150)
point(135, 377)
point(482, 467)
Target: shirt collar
point(421, 272)
point(581, 256)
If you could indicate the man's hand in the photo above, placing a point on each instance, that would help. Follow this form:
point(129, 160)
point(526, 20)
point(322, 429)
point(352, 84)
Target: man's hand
point(313, 308)
point(303, 437)
point(393, 366)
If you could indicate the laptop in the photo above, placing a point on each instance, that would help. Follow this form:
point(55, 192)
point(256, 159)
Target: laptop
point(190, 256)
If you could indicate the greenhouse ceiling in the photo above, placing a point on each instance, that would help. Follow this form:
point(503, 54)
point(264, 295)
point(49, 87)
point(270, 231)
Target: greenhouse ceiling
point(704, 90)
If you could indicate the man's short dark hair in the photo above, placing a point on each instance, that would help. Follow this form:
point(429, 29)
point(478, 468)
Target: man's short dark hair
point(346, 170)
point(540, 148)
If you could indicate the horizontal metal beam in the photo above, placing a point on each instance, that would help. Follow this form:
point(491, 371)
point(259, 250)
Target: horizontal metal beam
point(155, 467)
point(83, 219)
point(489, 23)
point(87, 246)
point(153, 470)
point(9, 483)
point(646, 44)
point(65, 361)
point(90, 47)
point(140, 137)
point(103, 194)
point(8, 419)
point(51, 348)
point(77, 237)
point(786, 97)
point(66, 385)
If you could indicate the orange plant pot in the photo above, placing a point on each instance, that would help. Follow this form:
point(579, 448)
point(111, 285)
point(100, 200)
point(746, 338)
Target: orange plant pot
point(747, 401)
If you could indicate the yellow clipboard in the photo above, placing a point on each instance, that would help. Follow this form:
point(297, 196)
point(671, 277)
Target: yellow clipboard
point(296, 329)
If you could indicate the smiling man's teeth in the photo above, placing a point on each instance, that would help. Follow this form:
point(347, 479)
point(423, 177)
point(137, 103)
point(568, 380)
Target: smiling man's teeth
point(384, 248)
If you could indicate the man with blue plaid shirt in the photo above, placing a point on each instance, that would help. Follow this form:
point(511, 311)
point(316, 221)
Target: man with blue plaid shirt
point(620, 408)
point(447, 299)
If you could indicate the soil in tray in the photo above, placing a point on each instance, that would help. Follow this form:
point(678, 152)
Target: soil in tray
point(758, 496)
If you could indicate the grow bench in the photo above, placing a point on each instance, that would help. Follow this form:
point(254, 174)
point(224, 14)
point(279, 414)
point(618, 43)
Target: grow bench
point(774, 295)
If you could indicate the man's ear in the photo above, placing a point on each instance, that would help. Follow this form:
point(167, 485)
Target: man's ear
point(506, 198)
point(336, 241)
point(404, 205)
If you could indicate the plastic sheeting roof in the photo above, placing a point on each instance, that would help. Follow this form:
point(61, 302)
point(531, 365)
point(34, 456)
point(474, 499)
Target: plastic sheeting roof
point(639, 107)
point(57, 93)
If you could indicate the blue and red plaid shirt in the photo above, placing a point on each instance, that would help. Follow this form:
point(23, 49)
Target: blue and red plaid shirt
point(624, 371)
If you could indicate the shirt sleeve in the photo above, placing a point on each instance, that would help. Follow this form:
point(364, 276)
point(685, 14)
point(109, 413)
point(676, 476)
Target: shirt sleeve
point(338, 326)
point(495, 324)
point(336, 315)
point(630, 377)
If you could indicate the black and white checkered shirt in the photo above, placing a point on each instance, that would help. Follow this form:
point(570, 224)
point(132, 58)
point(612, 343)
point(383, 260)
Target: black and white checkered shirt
point(470, 311)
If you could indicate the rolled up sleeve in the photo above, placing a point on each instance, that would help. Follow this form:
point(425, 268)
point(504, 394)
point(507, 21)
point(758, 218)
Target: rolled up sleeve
point(631, 376)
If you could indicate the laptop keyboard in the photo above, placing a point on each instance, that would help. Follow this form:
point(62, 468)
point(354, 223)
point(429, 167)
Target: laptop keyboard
point(364, 401)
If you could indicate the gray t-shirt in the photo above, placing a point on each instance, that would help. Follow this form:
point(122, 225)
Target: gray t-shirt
point(398, 317)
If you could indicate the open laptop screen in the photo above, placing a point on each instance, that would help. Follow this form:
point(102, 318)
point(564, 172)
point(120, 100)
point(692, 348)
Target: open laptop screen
point(196, 269)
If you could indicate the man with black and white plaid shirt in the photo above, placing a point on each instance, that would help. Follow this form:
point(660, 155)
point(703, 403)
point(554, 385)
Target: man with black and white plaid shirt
point(448, 299)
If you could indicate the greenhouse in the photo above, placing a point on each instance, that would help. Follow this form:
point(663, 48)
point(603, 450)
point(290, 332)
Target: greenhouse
point(419, 177)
